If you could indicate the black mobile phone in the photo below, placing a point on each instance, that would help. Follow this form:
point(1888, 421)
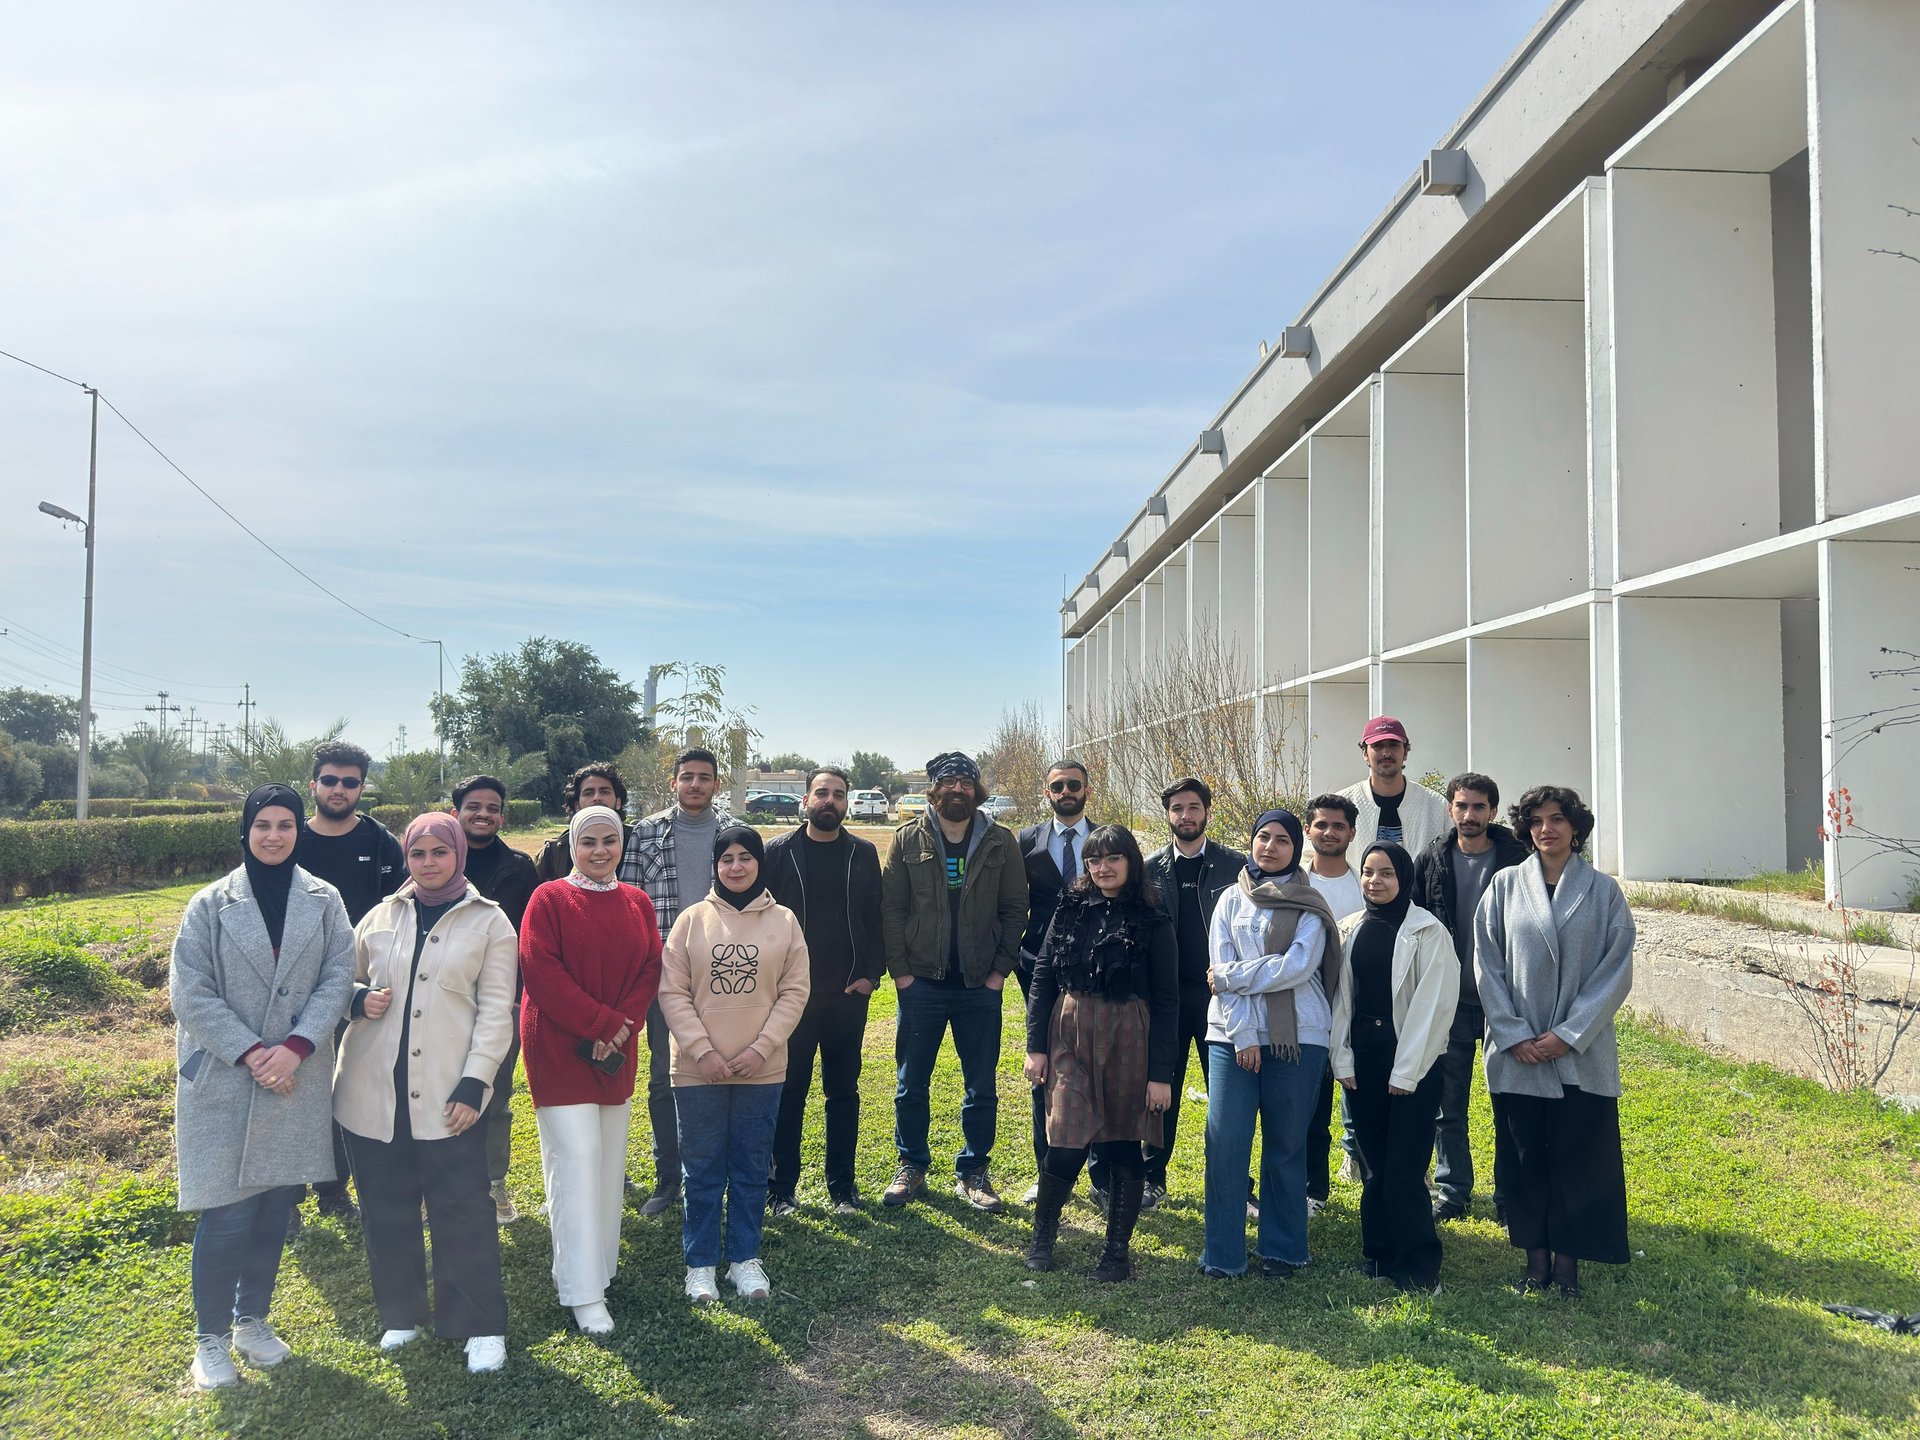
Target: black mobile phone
point(611, 1065)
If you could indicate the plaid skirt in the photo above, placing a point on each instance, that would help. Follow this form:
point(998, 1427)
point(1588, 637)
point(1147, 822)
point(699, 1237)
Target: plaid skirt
point(1097, 1073)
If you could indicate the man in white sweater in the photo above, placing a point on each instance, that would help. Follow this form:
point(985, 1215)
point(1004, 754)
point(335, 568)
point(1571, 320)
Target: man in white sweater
point(1389, 808)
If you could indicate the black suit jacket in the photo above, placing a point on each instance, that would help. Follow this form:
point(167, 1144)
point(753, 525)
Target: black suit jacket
point(1043, 889)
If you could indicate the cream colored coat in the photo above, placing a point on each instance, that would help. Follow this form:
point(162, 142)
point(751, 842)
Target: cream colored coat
point(1426, 988)
point(462, 1019)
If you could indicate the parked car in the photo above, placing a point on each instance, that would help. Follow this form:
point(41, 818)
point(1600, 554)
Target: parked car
point(909, 806)
point(1000, 807)
point(780, 807)
point(867, 805)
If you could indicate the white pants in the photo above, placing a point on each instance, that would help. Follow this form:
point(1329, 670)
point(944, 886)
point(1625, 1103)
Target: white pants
point(583, 1160)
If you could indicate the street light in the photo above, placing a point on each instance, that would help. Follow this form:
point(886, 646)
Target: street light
point(47, 507)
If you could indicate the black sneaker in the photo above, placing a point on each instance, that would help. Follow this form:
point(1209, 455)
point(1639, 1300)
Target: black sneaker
point(781, 1206)
point(977, 1190)
point(1099, 1199)
point(1151, 1195)
point(909, 1183)
point(845, 1202)
point(335, 1205)
point(661, 1201)
point(1448, 1210)
point(1278, 1269)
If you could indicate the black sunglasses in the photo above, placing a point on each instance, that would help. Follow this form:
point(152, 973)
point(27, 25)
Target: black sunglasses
point(329, 781)
point(1068, 787)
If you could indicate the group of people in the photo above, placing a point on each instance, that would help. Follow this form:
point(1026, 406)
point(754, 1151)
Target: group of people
point(354, 1004)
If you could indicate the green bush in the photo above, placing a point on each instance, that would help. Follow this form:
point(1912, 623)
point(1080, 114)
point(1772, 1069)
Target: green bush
point(58, 969)
point(122, 809)
point(520, 814)
point(40, 857)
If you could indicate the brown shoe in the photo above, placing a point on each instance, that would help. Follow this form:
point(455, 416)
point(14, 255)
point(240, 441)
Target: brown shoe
point(909, 1183)
point(977, 1190)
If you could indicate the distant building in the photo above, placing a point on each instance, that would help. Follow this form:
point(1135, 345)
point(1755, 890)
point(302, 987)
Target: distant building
point(1594, 462)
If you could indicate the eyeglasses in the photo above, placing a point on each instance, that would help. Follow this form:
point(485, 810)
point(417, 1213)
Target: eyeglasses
point(327, 782)
point(1093, 860)
point(1065, 787)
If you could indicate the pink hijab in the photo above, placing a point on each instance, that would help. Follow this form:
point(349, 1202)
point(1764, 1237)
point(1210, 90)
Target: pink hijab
point(441, 826)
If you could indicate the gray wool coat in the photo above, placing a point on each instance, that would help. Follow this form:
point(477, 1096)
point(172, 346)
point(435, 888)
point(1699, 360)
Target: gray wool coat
point(234, 1138)
point(1563, 964)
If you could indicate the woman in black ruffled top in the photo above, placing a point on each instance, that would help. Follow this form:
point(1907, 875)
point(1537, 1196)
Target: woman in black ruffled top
point(1102, 1013)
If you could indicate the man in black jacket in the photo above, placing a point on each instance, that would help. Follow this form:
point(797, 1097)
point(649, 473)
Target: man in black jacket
point(505, 876)
point(831, 880)
point(595, 784)
point(1449, 877)
point(360, 858)
point(1051, 852)
point(1191, 873)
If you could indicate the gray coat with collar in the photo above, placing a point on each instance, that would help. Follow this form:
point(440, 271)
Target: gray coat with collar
point(1562, 963)
point(232, 1137)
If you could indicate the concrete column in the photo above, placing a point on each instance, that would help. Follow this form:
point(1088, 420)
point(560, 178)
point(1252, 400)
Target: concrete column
point(1602, 535)
point(1153, 621)
point(1337, 548)
point(1173, 605)
point(1237, 605)
point(1603, 719)
point(1203, 582)
point(1283, 579)
point(1420, 520)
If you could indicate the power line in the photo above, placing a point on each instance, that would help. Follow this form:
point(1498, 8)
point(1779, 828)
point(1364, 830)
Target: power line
point(70, 656)
point(43, 369)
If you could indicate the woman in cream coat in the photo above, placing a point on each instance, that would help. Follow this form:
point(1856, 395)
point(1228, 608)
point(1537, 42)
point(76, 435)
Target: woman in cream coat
point(1394, 1007)
point(432, 1019)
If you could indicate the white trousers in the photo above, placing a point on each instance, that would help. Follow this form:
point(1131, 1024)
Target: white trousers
point(583, 1160)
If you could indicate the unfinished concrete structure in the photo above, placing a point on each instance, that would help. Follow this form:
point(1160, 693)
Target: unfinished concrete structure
point(1595, 460)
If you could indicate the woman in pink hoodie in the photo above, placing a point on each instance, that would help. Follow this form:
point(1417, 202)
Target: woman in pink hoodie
point(733, 984)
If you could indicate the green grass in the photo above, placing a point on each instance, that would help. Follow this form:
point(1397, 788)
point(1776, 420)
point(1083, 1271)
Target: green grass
point(1755, 1197)
point(1807, 883)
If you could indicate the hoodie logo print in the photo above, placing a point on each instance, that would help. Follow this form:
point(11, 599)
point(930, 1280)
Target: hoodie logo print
point(736, 969)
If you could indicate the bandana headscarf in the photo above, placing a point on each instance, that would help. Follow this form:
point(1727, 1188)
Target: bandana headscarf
point(748, 839)
point(271, 884)
point(439, 825)
point(583, 817)
point(952, 764)
point(1291, 824)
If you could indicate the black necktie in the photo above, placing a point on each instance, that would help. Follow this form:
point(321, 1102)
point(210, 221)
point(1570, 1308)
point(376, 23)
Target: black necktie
point(1067, 870)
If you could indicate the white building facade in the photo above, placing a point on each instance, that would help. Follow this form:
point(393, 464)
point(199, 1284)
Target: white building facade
point(1597, 462)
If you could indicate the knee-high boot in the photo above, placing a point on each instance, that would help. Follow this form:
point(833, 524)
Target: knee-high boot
point(1116, 1260)
point(1046, 1219)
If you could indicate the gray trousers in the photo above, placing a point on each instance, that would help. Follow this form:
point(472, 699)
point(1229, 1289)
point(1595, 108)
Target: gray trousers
point(660, 1108)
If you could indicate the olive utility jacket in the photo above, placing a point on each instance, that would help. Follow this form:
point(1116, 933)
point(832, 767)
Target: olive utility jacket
point(913, 904)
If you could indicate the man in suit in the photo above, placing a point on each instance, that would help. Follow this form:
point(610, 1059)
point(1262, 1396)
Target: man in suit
point(1191, 873)
point(1051, 851)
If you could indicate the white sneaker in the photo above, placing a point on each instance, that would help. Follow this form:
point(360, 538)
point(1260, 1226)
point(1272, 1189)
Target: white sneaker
point(1030, 1195)
point(594, 1319)
point(749, 1278)
point(489, 1352)
point(255, 1340)
point(394, 1339)
point(213, 1363)
point(700, 1284)
point(503, 1211)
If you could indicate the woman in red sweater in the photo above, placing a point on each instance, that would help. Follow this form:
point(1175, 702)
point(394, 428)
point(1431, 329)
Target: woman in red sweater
point(590, 956)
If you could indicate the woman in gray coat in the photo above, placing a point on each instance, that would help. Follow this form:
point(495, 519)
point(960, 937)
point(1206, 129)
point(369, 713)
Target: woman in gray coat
point(262, 971)
point(1553, 953)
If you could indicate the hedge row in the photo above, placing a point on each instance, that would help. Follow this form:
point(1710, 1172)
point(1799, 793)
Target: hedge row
point(46, 857)
point(112, 809)
point(520, 815)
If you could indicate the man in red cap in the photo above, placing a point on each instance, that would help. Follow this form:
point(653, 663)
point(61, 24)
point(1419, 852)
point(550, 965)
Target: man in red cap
point(1390, 808)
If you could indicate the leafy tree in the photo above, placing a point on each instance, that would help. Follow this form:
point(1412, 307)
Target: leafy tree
point(268, 755)
point(411, 778)
point(523, 776)
point(162, 759)
point(869, 771)
point(20, 778)
point(59, 769)
point(790, 760)
point(700, 714)
point(37, 718)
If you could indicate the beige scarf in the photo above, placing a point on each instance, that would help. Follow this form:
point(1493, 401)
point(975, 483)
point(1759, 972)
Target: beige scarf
point(1289, 902)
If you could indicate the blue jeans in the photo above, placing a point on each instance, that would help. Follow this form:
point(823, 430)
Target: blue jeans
point(236, 1258)
point(926, 1010)
point(726, 1150)
point(1281, 1097)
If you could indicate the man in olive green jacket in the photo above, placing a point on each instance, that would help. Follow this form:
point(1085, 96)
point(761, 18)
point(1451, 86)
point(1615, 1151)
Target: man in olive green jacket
point(953, 904)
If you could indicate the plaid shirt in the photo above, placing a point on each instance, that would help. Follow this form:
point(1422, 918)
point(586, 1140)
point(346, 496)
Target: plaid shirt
point(649, 862)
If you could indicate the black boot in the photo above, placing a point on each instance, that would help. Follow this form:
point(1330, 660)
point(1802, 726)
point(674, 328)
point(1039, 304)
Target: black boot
point(1046, 1219)
point(1116, 1262)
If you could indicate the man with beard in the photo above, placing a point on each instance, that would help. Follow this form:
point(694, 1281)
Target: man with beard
point(506, 877)
point(1051, 853)
point(831, 880)
point(669, 855)
point(1191, 873)
point(1449, 877)
point(360, 858)
point(1386, 806)
point(595, 784)
point(953, 905)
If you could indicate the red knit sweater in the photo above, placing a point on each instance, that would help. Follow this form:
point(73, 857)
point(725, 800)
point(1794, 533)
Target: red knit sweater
point(591, 963)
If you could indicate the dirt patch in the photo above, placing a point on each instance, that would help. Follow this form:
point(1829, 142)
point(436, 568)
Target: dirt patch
point(84, 1100)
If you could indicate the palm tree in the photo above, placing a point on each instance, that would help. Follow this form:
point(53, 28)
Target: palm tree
point(163, 760)
point(269, 756)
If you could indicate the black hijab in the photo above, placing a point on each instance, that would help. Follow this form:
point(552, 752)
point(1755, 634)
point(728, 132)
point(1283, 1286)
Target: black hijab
point(1288, 822)
point(1395, 910)
point(748, 839)
point(271, 883)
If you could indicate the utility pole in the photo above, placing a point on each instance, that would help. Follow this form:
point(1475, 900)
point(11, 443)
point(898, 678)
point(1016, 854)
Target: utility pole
point(220, 734)
point(246, 708)
point(191, 725)
point(47, 507)
point(162, 708)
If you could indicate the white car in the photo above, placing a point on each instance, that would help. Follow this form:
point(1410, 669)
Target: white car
point(867, 805)
point(1000, 807)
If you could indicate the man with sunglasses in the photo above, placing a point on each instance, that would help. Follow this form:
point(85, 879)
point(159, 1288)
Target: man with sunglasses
point(360, 858)
point(1051, 851)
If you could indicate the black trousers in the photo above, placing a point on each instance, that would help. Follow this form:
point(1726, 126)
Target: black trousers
point(834, 1026)
point(342, 1158)
point(1111, 1154)
point(497, 1118)
point(1192, 1037)
point(1320, 1138)
point(451, 1176)
point(1558, 1167)
point(1394, 1134)
point(1039, 1094)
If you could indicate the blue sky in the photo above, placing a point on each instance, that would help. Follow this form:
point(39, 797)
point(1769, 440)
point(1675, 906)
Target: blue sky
point(817, 341)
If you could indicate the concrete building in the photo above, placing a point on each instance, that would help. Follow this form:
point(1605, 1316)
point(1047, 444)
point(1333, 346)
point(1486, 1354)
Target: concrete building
point(1595, 460)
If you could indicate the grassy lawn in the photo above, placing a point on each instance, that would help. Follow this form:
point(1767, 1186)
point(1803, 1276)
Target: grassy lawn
point(1755, 1198)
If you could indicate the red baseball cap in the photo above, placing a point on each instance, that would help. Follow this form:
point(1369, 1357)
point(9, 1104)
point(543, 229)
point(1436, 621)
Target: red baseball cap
point(1384, 727)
